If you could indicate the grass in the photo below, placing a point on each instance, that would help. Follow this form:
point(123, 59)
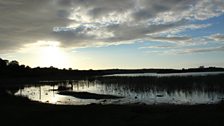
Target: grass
point(207, 83)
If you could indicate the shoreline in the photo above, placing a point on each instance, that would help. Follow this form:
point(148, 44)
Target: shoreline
point(19, 110)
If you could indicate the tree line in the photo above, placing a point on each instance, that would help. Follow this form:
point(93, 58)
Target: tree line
point(9, 69)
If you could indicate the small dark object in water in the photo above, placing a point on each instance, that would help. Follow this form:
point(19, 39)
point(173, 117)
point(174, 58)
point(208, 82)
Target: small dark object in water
point(61, 88)
point(159, 95)
point(136, 97)
point(87, 95)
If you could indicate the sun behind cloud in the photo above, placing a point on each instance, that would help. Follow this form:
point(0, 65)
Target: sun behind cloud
point(49, 53)
point(52, 55)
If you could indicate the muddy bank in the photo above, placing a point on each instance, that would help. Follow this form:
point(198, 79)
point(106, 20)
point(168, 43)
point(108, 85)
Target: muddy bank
point(21, 111)
point(88, 95)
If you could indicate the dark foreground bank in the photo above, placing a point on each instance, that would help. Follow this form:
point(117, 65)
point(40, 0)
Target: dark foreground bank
point(21, 111)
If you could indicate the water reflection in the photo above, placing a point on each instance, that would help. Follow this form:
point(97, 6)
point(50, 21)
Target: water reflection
point(132, 93)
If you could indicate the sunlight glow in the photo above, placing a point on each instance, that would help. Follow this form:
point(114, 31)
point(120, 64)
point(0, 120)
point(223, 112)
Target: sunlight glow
point(52, 55)
point(48, 53)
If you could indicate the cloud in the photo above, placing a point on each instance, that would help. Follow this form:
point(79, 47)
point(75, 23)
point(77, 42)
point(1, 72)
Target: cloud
point(183, 28)
point(181, 51)
point(83, 23)
point(179, 41)
point(217, 37)
point(158, 47)
point(172, 39)
point(201, 50)
point(27, 21)
point(207, 9)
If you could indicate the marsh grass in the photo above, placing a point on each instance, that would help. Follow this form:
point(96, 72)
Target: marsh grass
point(208, 83)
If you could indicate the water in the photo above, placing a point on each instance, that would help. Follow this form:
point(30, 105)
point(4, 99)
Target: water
point(169, 74)
point(48, 93)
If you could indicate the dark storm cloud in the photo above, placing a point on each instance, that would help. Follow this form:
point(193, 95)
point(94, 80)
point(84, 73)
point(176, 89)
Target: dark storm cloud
point(26, 21)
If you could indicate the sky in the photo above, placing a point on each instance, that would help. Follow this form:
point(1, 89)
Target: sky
point(109, 34)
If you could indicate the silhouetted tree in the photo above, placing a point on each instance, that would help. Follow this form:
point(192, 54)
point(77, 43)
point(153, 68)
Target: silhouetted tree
point(27, 67)
point(201, 67)
point(22, 66)
point(14, 63)
point(3, 63)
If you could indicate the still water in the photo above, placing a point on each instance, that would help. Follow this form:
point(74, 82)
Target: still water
point(48, 93)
